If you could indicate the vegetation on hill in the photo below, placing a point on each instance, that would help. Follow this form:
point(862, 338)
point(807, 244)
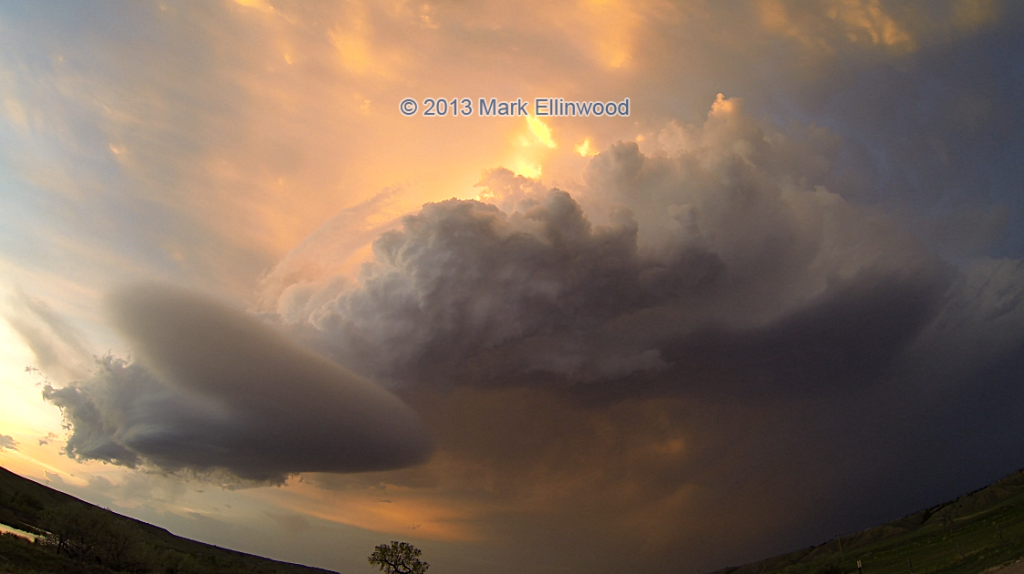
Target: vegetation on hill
point(968, 535)
point(77, 537)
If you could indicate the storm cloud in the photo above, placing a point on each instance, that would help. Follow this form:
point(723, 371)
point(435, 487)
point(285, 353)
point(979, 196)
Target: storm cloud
point(718, 329)
point(723, 268)
point(212, 389)
point(704, 330)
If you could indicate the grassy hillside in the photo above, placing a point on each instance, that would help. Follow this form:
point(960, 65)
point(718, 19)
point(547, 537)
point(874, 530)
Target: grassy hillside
point(965, 536)
point(87, 539)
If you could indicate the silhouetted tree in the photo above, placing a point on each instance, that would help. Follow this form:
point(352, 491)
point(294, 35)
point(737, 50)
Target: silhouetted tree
point(88, 534)
point(398, 558)
point(73, 531)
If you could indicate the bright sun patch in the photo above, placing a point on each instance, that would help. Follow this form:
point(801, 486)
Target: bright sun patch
point(585, 149)
point(541, 131)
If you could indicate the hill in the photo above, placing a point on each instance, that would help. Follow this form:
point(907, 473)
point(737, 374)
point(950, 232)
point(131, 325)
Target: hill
point(88, 539)
point(968, 535)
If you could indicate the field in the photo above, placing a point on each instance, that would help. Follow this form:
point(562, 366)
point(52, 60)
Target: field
point(86, 539)
point(974, 533)
point(968, 535)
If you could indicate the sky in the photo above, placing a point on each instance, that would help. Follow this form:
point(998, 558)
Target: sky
point(247, 298)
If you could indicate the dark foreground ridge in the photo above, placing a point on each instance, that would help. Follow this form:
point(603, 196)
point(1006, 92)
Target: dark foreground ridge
point(82, 538)
point(968, 535)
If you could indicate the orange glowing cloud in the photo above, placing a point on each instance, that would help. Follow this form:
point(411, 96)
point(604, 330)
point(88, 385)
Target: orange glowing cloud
point(585, 149)
point(541, 131)
point(383, 508)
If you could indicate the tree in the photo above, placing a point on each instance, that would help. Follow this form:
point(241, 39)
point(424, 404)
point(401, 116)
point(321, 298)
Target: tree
point(398, 558)
point(88, 534)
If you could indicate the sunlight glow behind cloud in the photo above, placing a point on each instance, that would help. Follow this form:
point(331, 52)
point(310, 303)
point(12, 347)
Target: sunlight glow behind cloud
point(541, 131)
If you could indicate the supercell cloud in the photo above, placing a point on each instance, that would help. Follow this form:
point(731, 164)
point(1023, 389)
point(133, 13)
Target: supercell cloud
point(701, 330)
point(725, 267)
point(213, 389)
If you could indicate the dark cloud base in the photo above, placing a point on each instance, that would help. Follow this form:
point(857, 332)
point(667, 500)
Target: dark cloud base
point(215, 390)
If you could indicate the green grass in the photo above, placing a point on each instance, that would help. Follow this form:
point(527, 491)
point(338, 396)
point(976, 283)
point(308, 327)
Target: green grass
point(968, 535)
point(144, 548)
